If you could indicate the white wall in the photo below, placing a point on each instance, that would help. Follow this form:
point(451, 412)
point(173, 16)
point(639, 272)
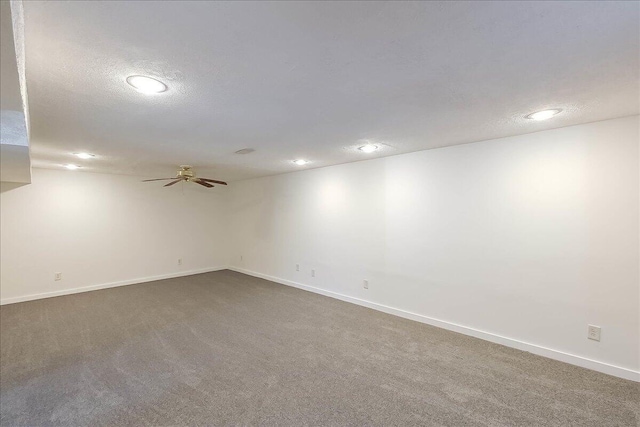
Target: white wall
point(522, 240)
point(100, 229)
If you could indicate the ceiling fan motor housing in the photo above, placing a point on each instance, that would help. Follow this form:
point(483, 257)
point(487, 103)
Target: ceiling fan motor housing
point(186, 172)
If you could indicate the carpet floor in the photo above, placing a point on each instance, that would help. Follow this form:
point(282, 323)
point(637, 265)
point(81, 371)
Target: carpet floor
point(224, 348)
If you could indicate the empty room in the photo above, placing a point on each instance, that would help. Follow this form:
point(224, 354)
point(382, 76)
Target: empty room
point(299, 213)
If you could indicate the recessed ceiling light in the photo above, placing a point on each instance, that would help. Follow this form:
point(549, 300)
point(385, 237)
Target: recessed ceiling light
point(368, 148)
point(72, 167)
point(146, 84)
point(300, 162)
point(84, 155)
point(543, 115)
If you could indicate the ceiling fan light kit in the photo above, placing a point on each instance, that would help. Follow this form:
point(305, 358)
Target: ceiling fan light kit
point(185, 173)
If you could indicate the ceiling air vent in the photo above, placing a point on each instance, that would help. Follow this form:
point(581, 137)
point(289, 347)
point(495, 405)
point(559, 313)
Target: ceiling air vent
point(245, 151)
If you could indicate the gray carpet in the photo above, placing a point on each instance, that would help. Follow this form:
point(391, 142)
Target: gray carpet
point(224, 348)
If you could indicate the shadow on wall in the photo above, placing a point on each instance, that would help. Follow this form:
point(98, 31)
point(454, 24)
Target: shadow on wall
point(8, 186)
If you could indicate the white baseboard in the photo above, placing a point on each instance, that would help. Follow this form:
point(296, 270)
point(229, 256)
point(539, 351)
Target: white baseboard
point(572, 359)
point(106, 285)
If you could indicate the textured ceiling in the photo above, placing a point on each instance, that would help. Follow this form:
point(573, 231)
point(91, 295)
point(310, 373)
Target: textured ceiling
point(311, 80)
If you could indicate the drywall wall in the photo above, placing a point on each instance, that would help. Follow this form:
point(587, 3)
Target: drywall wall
point(523, 240)
point(103, 230)
point(15, 161)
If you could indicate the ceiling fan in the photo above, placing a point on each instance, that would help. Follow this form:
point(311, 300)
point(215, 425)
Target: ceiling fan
point(185, 173)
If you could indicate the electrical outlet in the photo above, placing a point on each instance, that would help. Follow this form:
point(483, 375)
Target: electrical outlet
point(313, 273)
point(594, 333)
point(365, 284)
point(57, 276)
point(297, 267)
point(179, 261)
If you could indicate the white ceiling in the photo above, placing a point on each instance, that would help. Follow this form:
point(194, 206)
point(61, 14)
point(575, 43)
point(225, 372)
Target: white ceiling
point(310, 80)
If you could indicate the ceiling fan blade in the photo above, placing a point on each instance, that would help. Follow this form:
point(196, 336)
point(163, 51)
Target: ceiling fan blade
point(157, 179)
point(198, 181)
point(213, 180)
point(173, 182)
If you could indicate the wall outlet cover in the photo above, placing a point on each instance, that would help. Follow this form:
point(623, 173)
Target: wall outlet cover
point(594, 332)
